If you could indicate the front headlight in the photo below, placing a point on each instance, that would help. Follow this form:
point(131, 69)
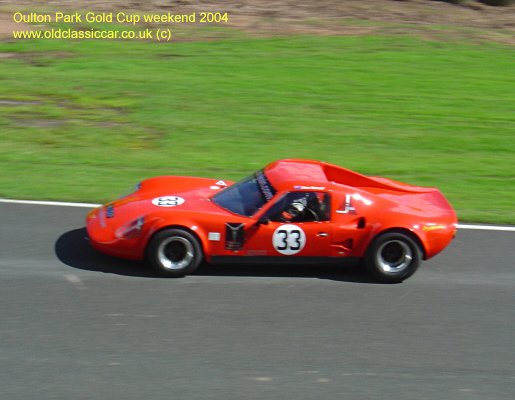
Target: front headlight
point(130, 191)
point(131, 230)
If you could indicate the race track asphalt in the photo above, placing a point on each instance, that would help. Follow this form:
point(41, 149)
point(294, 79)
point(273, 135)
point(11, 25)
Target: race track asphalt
point(76, 324)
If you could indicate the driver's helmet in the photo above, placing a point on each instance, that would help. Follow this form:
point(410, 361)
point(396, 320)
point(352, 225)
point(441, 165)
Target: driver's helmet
point(295, 209)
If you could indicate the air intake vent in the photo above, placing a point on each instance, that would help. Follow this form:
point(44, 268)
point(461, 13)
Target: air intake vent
point(361, 223)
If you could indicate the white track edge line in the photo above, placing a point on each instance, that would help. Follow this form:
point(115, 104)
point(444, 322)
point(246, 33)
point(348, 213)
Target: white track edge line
point(93, 205)
point(487, 227)
point(50, 203)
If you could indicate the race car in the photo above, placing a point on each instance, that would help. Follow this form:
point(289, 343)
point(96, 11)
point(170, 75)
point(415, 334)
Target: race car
point(297, 209)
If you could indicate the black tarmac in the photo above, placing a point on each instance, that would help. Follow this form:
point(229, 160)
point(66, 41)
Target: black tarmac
point(77, 324)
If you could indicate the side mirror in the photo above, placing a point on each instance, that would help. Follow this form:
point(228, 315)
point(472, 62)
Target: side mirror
point(263, 221)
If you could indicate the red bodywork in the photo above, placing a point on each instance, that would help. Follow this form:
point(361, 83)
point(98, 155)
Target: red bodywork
point(358, 208)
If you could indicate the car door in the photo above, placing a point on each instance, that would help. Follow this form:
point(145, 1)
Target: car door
point(298, 224)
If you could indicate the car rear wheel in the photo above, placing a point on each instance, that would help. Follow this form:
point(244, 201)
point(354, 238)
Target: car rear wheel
point(174, 252)
point(392, 257)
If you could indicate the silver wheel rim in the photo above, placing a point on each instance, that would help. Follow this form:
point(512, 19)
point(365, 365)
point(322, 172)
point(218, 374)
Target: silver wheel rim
point(394, 256)
point(175, 252)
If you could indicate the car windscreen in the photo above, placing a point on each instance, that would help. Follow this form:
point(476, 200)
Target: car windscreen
point(246, 196)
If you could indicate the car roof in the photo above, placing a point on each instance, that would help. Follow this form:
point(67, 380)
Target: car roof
point(296, 174)
point(294, 169)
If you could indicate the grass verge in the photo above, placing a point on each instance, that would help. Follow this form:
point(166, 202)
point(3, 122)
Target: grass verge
point(83, 120)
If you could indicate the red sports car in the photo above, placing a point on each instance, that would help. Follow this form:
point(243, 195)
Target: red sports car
point(292, 208)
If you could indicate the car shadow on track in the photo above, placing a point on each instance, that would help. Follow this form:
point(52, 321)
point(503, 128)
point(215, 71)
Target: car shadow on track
point(73, 249)
point(341, 272)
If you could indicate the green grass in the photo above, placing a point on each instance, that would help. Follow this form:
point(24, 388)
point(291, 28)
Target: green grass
point(95, 117)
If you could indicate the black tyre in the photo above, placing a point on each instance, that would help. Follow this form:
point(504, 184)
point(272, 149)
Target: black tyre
point(174, 252)
point(392, 257)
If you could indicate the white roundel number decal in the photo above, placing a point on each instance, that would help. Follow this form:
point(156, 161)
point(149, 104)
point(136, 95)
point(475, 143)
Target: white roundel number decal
point(168, 201)
point(289, 239)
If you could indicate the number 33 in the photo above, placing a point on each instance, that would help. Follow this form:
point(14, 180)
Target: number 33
point(289, 239)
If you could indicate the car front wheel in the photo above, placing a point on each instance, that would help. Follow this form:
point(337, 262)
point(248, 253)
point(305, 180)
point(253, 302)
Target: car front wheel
point(392, 257)
point(174, 252)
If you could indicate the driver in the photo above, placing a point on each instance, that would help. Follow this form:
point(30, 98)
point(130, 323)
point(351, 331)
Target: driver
point(295, 210)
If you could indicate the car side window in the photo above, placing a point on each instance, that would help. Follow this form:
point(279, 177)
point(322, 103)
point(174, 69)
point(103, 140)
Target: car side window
point(301, 207)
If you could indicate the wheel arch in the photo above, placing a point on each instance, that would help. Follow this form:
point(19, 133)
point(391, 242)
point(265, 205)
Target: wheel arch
point(412, 235)
point(180, 227)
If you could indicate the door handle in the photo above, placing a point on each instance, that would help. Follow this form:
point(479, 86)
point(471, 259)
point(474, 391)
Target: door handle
point(322, 234)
